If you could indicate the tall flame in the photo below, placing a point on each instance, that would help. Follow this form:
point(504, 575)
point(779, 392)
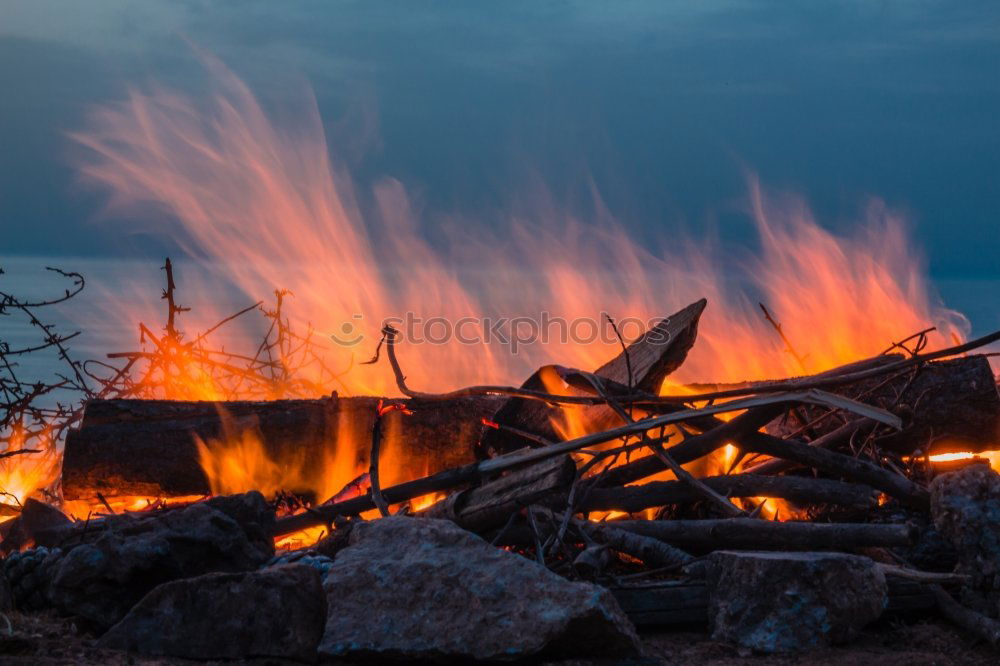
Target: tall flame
point(269, 206)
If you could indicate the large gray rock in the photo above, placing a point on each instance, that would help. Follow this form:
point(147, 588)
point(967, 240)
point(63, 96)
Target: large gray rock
point(276, 612)
point(416, 588)
point(965, 506)
point(785, 602)
point(100, 579)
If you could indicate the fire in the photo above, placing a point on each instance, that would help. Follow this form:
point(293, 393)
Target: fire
point(23, 475)
point(993, 457)
point(239, 462)
point(269, 207)
point(263, 207)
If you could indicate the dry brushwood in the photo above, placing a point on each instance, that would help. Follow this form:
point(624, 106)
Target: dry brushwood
point(475, 472)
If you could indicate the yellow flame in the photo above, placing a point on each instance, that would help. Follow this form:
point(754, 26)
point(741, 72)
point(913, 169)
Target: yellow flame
point(21, 476)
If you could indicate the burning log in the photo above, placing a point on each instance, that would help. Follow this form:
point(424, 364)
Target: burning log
point(148, 448)
point(705, 536)
point(954, 402)
point(641, 367)
point(798, 489)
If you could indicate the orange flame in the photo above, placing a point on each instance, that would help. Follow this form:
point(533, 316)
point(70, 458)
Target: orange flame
point(23, 475)
point(270, 208)
point(267, 207)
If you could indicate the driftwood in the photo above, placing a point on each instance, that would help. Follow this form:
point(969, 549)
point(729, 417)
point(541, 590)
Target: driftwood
point(659, 351)
point(147, 447)
point(754, 534)
point(482, 508)
point(798, 489)
point(681, 603)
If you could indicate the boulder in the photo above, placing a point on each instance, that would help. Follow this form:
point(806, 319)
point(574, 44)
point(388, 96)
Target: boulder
point(27, 573)
point(786, 602)
point(418, 588)
point(965, 506)
point(278, 612)
point(35, 517)
point(103, 575)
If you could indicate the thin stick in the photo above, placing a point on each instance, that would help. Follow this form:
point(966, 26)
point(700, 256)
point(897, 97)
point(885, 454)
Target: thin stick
point(376, 492)
point(682, 474)
point(784, 338)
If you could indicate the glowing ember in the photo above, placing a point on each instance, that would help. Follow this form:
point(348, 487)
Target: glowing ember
point(993, 457)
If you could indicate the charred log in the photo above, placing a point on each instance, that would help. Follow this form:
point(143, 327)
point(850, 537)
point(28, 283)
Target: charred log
point(147, 447)
point(798, 489)
point(753, 534)
point(950, 405)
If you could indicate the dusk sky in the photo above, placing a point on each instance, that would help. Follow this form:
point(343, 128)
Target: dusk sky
point(664, 106)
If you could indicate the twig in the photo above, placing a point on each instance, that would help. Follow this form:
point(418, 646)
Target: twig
point(682, 474)
point(801, 360)
point(376, 492)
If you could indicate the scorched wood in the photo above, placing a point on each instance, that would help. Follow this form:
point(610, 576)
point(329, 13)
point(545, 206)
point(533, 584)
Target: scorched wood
point(799, 489)
point(751, 534)
point(147, 447)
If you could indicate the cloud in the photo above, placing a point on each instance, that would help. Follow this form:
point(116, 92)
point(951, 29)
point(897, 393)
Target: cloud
point(101, 25)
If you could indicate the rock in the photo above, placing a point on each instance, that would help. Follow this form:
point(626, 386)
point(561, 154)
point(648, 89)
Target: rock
point(35, 517)
point(417, 588)
point(100, 579)
point(28, 573)
point(965, 506)
point(6, 595)
point(785, 602)
point(276, 612)
point(252, 512)
point(307, 556)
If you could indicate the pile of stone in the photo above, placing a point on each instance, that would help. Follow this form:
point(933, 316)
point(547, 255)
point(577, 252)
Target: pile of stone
point(204, 582)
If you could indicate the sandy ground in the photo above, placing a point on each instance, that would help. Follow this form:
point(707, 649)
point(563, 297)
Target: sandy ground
point(47, 640)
